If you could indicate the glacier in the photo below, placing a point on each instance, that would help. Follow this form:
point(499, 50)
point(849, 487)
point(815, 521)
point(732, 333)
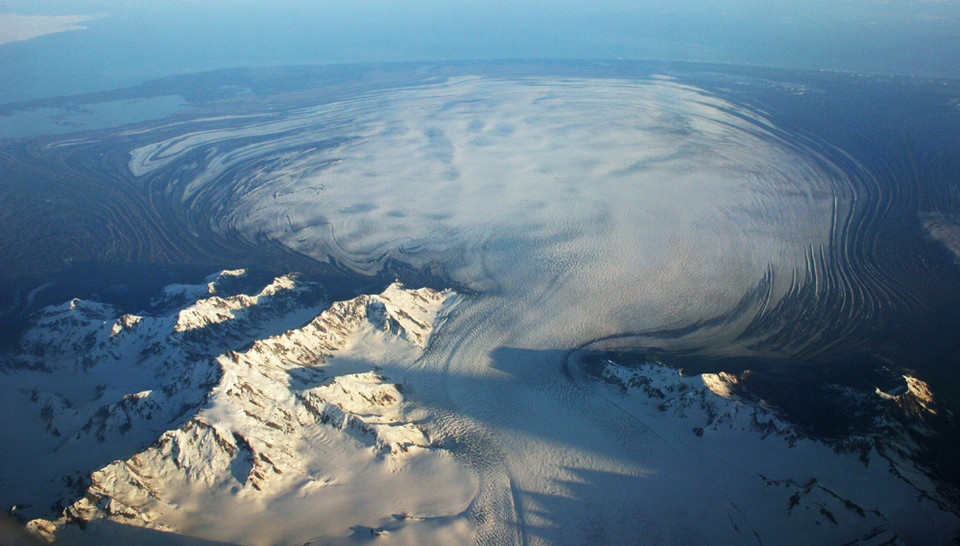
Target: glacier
point(352, 426)
point(561, 234)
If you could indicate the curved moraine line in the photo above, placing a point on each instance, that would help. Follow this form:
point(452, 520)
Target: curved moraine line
point(87, 208)
point(648, 212)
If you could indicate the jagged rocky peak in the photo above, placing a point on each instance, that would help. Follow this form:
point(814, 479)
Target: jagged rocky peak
point(708, 402)
point(284, 418)
point(66, 329)
point(722, 384)
point(124, 324)
point(407, 313)
point(913, 396)
point(895, 422)
point(211, 285)
point(215, 309)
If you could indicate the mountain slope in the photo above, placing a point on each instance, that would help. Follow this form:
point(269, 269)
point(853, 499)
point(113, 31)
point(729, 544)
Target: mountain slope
point(293, 427)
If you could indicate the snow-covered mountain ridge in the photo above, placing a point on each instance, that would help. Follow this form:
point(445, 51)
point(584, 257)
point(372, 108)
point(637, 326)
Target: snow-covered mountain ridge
point(264, 415)
point(727, 421)
point(212, 419)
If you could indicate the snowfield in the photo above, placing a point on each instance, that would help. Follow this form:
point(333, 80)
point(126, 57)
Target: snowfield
point(362, 424)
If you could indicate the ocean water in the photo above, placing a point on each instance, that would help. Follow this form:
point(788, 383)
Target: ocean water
point(51, 120)
point(127, 43)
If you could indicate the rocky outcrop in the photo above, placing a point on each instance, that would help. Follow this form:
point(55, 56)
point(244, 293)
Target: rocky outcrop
point(254, 423)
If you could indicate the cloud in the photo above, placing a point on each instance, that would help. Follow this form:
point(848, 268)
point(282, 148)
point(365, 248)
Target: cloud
point(16, 27)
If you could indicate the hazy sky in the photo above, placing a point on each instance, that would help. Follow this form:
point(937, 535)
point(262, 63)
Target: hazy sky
point(102, 44)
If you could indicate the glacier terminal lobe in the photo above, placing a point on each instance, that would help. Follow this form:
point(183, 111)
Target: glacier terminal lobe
point(641, 203)
point(610, 214)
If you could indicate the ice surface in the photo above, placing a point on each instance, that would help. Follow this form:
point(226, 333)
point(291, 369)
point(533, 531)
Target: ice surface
point(577, 209)
point(634, 203)
point(573, 210)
